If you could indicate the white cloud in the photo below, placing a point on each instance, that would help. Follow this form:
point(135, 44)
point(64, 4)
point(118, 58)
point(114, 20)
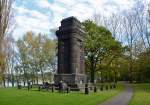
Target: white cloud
point(57, 8)
point(82, 9)
point(82, 12)
point(21, 10)
point(28, 20)
point(67, 3)
point(43, 3)
point(32, 13)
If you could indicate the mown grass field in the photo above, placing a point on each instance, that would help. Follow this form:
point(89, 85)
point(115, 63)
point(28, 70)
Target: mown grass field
point(12, 96)
point(141, 94)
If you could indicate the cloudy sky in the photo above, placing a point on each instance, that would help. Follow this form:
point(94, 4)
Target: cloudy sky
point(43, 15)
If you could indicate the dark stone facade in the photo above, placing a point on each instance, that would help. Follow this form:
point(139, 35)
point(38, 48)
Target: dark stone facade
point(70, 52)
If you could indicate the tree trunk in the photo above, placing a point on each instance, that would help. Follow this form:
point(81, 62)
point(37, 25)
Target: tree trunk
point(115, 77)
point(37, 78)
point(4, 82)
point(42, 75)
point(102, 77)
point(12, 80)
point(130, 71)
point(92, 75)
point(92, 70)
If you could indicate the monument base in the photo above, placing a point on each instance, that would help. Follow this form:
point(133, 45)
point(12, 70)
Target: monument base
point(70, 78)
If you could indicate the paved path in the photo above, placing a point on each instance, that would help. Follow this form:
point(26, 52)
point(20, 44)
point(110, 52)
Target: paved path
point(122, 98)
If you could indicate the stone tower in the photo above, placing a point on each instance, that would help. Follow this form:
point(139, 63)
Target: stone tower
point(70, 52)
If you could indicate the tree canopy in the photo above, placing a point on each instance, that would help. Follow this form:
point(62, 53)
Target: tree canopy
point(100, 48)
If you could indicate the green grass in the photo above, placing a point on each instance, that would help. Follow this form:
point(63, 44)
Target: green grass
point(11, 96)
point(141, 94)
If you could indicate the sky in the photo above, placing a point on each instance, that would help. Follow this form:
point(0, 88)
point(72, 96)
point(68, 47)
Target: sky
point(40, 16)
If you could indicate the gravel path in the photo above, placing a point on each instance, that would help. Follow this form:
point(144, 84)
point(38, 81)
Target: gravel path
point(122, 98)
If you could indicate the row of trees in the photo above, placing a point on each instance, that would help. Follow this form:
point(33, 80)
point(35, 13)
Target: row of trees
point(36, 54)
point(129, 40)
point(26, 59)
point(30, 59)
point(116, 47)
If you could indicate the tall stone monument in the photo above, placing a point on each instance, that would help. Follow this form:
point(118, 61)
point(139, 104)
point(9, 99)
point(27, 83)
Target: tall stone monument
point(70, 52)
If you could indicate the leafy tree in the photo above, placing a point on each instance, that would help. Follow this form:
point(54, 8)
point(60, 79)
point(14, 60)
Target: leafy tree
point(143, 67)
point(100, 48)
point(37, 53)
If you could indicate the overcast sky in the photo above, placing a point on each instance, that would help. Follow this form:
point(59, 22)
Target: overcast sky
point(43, 15)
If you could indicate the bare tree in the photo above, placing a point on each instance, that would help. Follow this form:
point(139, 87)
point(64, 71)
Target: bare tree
point(148, 35)
point(114, 24)
point(130, 30)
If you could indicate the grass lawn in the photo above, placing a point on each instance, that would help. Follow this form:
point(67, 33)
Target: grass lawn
point(141, 95)
point(12, 96)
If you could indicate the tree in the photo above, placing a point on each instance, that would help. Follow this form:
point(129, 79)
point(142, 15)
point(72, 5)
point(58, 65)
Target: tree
point(148, 35)
point(143, 67)
point(37, 54)
point(99, 45)
point(10, 59)
point(5, 20)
